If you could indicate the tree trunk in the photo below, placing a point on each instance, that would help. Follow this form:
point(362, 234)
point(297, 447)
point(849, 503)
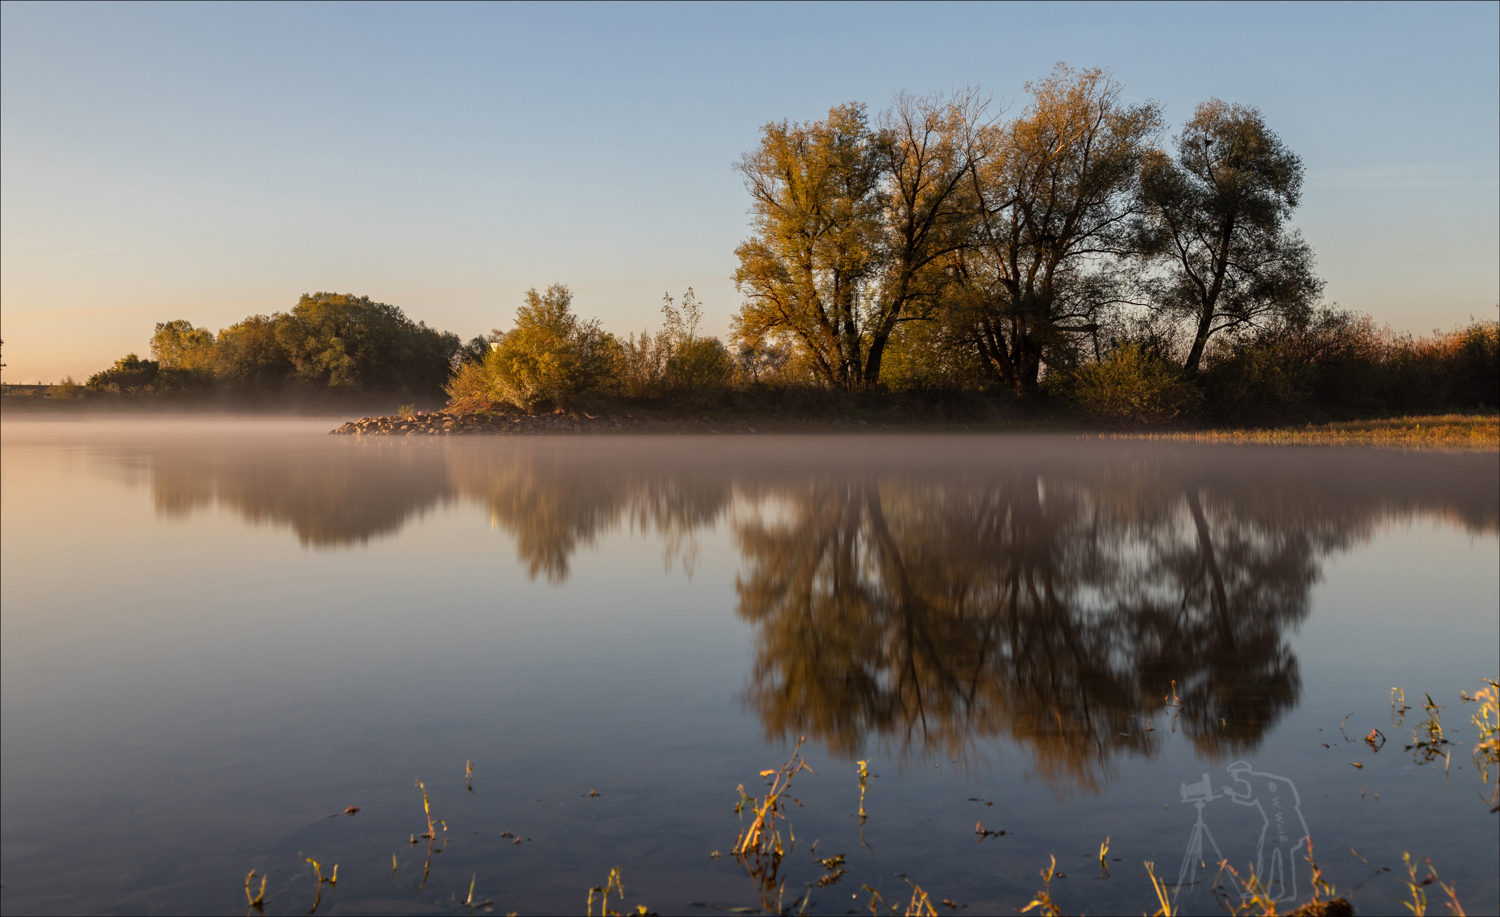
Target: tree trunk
point(1200, 341)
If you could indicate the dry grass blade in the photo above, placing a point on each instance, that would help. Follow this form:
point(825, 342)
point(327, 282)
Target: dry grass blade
point(920, 905)
point(1163, 899)
point(615, 883)
point(760, 847)
point(427, 810)
point(1043, 899)
point(258, 899)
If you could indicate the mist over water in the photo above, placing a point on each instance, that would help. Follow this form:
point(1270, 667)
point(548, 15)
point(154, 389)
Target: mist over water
point(216, 634)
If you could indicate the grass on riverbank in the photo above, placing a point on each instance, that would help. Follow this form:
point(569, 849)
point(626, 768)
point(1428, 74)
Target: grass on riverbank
point(1453, 431)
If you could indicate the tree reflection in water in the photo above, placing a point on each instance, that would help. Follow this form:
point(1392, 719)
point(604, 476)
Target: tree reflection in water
point(1038, 608)
point(931, 604)
point(553, 506)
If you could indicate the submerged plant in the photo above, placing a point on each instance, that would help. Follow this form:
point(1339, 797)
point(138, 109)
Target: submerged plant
point(864, 776)
point(1418, 903)
point(1428, 741)
point(1487, 721)
point(1255, 898)
point(919, 905)
point(469, 902)
point(759, 847)
point(331, 880)
point(258, 900)
point(833, 870)
point(1043, 899)
point(615, 883)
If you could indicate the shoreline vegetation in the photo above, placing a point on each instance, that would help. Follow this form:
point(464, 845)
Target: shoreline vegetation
point(1451, 431)
point(940, 263)
point(1448, 431)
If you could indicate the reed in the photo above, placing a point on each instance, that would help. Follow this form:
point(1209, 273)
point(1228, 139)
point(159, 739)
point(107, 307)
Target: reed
point(760, 847)
point(1460, 431)
point(257, 900)
point(1043, 900)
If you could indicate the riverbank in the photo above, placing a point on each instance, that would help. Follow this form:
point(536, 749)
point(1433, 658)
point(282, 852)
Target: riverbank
point(1451, 431)
point(1460, 431)
point(445, 423)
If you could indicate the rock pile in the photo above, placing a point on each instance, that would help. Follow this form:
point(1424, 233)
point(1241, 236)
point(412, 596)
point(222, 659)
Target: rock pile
point(445, 423)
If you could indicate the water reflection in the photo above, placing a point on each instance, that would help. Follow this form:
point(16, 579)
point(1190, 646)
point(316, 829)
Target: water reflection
point(1045, 608)
point(552, 506)
point(1050, 592)
point(329, 499)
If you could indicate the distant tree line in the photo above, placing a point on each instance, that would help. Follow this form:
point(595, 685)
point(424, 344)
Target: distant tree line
point(1062, 256)
point(328, 342)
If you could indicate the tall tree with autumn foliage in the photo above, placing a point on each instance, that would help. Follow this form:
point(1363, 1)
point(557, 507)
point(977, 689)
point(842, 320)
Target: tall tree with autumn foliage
point(1056, 193)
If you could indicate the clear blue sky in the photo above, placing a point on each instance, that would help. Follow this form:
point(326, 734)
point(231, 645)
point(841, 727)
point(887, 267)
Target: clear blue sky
point(205, 162)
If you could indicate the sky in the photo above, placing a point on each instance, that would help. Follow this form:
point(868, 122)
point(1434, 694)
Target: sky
point(212, 161)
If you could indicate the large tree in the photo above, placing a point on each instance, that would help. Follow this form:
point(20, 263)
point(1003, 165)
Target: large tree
point(927, 150)
point(177, 345)
point(346, 341)
point(1057, 196)
point(807, 270)
point(849, 225)
point(1217, 222)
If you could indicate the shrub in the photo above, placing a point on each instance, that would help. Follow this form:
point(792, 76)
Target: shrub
point(699, 366)
point(129, 374)
point(66, 390)
point(1337, 364)
point(1471, 359)
point(1133, 385)
point(470, 389)
point(550, 358)
point(674, 361)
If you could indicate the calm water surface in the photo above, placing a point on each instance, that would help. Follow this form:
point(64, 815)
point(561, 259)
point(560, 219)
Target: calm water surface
point(218, 635)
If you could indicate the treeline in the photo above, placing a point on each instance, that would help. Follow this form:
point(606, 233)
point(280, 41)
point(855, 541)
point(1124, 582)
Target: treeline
point(1064, 255)
point(327, 343)
point(943, 253)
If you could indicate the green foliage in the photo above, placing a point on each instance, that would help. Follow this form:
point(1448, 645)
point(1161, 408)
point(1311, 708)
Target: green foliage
point(815, 195)
point(675, 361)
point(1134, 385)
point(249, 355)
point(329, 341)
point(550, 358)
point(699, 367)
point(929, 356)
point(129, 374)
point(342, 341)
point(1217, 226)
point(177, 345)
